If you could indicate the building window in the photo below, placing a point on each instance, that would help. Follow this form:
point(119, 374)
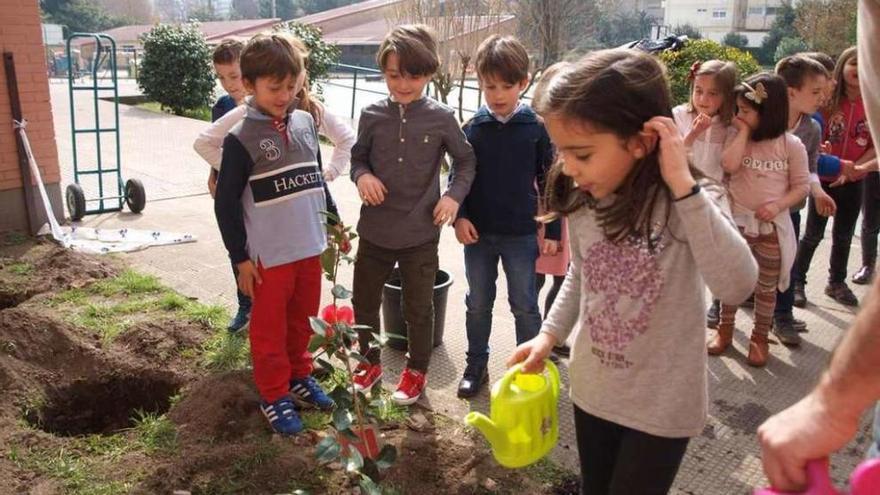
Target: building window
point(719, 14)
point(771, 11)
point(701, 11)
point(756, 10)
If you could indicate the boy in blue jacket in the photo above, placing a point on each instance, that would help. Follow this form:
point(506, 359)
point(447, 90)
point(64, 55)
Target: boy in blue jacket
point(497, 219)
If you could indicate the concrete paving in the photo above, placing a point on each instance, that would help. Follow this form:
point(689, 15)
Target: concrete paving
point(724, 459)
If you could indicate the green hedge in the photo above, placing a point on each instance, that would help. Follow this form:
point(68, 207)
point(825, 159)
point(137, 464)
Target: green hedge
point(679, 63)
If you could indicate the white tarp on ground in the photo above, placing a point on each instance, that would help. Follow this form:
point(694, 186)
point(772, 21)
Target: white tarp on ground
point(90, 240)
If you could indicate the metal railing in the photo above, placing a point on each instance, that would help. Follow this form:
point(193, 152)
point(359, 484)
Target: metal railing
point(357, 73)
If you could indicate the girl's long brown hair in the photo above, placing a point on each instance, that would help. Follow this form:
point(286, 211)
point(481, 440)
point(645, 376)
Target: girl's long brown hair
point(614, 91)
point(840, 89)
point(306, 102)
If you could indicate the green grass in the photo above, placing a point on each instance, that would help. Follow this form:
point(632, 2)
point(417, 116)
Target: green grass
point(14, 238)
point(546, 471)
point(75, 297)
point(76, 473)
point(226, 352)
point(156, 433)
point(21, 268)
point(102, 320)
point(172, 301)
point(210, 315)
point(128, 283)
point(202, 113)
point(316, 420)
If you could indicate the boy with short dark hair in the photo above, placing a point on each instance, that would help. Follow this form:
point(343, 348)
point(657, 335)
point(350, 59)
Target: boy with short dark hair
point(396, 166)
point(497, 220)
point(270, 195)
point(226, 57)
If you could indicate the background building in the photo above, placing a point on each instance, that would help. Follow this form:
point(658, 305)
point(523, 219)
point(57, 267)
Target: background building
point(716, 18)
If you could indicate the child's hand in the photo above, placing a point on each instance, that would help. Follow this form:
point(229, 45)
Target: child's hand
point(741, 125)
point(371, 189)
point(869, 166)
point(445, 211)
point(825, 148)
point(465, 231)
point(248, 276)
point(549, 247)
point(212, 183)
point(701, 123)
point(673, 156)
point(533, 353)
point(767, 212)
point(825, 205)
point(330, 175)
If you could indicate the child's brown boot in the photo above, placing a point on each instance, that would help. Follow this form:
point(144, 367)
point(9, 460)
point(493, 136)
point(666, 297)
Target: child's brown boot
point(759, 350)
point(721, 341)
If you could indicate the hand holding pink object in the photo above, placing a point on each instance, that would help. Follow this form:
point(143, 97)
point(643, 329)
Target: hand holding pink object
point(865, 480)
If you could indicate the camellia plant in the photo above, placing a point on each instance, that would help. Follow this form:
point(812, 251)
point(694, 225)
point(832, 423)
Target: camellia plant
point(356, 441)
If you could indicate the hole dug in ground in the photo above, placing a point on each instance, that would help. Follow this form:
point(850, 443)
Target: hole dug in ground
point(105, 404)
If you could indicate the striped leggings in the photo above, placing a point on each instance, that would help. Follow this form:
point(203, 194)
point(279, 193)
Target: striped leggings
point(765, 249)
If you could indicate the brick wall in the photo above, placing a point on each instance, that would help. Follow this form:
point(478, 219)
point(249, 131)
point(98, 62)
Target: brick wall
point(21, 34)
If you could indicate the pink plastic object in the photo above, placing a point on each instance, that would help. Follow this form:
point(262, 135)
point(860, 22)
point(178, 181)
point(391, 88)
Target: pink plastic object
point(865, 480)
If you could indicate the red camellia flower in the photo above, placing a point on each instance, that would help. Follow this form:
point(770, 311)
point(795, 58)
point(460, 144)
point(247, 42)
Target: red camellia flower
point(334, 314)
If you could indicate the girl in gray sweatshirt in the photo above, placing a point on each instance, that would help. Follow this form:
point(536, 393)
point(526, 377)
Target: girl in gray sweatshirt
point(647, 234)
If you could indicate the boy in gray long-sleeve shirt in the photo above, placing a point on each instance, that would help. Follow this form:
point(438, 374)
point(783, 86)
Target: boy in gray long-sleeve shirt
point(396, 166)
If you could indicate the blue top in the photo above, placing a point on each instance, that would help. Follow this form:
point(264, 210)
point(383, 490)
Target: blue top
point(224, 104)
point(512, 162)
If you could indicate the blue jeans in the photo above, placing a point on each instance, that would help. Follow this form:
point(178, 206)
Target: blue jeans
point(518, 254)
point(244, 302)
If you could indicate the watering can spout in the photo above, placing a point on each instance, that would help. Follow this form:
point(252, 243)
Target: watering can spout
point(496, 438)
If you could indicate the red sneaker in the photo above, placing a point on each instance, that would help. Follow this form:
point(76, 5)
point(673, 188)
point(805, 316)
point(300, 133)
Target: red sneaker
point(366, 375)
point(412, 384)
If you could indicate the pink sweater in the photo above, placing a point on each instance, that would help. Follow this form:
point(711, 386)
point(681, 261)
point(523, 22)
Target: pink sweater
point(769, 169)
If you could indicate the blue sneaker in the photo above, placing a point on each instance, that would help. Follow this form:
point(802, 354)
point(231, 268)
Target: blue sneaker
point(240, 322)
point(282, 416)
point(307, 393)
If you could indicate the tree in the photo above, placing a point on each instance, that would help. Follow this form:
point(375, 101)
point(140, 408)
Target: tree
point(678, 64)
point(553, 27)
point(617, 28)
point(735, 40)
point(460, 26)
point(176, 67)
point(245, 9)
point(782, 27)
point(688, 30)
point(322, 55)
point(136, 11)
point(83, 16)
point(827, 25)
point(790, 46)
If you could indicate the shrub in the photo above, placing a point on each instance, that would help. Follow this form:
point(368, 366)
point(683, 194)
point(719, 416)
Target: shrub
point(735, 40)
point(790, 46)
point(688, 29)
point(176, 68)
point(679, 63)
point(322, 55)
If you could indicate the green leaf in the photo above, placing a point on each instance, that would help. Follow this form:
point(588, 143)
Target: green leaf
point(355, 461)
point(328, 449)
point(396, 336)
point(325, 365)
point(362, 327)
point(341, 419)
point(387, 456)
point(328, 262)
point(340, 292)
point(316, 342)
point(330, 216)
point(369, 486)
point(318, 325)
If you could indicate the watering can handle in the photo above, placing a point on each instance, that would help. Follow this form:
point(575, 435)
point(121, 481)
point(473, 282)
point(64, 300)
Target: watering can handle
point(818, 478)
point(554, 377)
point(504, 384)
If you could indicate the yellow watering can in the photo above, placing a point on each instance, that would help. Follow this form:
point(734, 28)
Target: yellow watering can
point(524, 426)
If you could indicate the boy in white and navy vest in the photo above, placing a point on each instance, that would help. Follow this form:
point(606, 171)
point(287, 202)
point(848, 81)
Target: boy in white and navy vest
point(270, 195)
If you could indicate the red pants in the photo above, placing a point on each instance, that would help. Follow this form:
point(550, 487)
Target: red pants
point(280, 330)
